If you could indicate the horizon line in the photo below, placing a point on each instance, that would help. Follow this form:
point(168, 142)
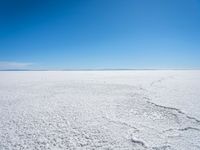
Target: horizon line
point(109, 69)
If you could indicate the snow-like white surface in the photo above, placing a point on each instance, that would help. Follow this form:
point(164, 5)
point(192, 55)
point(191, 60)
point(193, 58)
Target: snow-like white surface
point(158, 110)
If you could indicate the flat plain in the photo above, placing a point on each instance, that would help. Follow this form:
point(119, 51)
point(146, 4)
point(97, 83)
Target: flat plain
point(136, 110)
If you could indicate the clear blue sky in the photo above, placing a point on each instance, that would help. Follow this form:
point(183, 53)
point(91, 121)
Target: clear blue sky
point(83, 34)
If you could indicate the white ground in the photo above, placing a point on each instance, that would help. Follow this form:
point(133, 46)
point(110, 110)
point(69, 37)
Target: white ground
point(158, 110)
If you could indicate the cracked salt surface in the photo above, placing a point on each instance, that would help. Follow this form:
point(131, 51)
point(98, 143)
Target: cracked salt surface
point(137, 110)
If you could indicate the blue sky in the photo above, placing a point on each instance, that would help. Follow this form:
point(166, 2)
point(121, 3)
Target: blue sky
point(98, 34)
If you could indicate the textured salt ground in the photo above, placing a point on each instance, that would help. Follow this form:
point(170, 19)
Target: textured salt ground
point(136, 110)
